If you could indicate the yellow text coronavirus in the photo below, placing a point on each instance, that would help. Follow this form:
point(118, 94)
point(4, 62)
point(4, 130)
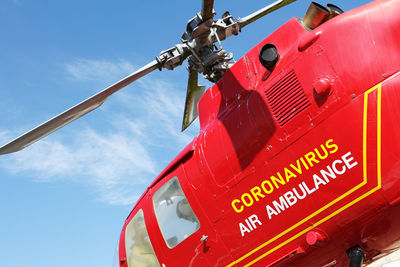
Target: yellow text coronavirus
point(284, 176)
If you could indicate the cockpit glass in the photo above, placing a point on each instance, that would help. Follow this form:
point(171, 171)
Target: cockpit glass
point(174, 214)
point(139, 251)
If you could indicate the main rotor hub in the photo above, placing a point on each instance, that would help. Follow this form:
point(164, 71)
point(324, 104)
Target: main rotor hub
point(199, 45)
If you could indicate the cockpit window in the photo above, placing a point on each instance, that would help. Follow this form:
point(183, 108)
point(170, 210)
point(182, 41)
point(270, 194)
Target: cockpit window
point(174, 214)
point(139, 251)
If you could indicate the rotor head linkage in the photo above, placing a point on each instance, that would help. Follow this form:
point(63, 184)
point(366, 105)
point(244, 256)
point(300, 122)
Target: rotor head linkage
point(200, 38)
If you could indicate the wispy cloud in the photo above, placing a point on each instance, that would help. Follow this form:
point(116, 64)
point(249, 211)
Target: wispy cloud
point(121, 158)
point(84, 69)
point(110, 163)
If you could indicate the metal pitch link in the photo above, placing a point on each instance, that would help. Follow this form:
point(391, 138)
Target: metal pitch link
point(226, 27)
point(173, 57)
point(196, 27)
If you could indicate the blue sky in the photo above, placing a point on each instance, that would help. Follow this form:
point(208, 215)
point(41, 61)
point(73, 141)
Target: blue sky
point(64, 199)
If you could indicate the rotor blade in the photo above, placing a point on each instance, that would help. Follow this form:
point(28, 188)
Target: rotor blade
point(193, 95)
point(74, 112)
point(262, 12)
point(207, 9)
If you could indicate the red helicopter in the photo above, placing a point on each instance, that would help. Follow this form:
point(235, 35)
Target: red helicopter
point(297, 159)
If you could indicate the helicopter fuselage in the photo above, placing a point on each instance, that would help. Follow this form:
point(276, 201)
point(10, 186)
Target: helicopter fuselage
point(298, 164)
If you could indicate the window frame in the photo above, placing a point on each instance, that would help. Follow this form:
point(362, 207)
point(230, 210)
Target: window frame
point(153, 204)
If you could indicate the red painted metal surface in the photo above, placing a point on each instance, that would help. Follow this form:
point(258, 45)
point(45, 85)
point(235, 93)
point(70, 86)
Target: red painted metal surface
point(297, 165)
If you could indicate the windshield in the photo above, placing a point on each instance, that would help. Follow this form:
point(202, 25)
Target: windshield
point(174, 214)
point(139, 251)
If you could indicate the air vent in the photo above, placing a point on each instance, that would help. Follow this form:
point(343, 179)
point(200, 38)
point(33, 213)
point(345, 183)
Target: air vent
point(286, 98)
